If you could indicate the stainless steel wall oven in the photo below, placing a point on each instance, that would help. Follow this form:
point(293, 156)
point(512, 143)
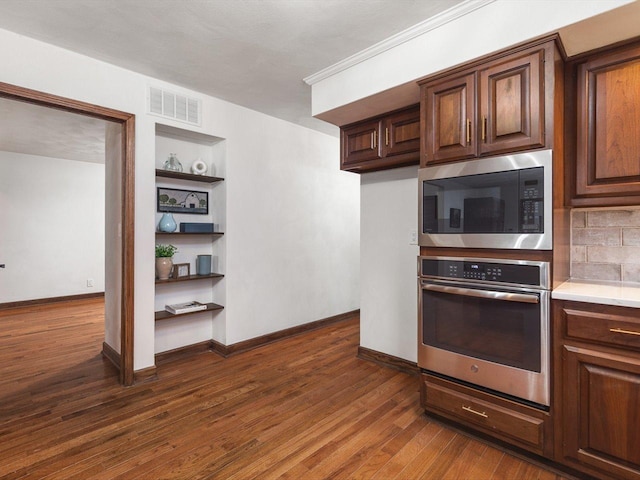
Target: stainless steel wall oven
point(485, 322)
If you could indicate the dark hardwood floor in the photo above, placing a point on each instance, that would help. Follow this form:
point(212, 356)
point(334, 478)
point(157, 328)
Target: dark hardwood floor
point(301, 408)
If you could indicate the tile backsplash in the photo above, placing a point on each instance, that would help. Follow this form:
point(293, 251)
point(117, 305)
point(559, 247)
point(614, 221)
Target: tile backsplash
point(605, 244)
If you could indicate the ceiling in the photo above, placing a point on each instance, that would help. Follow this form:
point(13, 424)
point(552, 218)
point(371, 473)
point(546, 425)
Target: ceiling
point(47, 132)
point(253, 53)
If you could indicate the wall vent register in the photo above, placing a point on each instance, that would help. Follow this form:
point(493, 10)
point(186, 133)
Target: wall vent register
point(174, 106)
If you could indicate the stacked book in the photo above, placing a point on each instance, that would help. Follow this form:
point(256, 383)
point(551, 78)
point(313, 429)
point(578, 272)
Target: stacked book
point(187, 307)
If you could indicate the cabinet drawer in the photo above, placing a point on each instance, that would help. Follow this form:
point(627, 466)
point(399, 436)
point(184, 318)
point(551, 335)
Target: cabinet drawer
point(492, 418)
point(615, 329)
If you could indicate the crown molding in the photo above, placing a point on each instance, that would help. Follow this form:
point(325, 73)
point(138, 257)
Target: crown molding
point(421, 28)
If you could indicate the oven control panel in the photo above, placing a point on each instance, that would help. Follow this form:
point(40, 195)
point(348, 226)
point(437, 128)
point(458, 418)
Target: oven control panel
point(472, 270)
point(481, 271)
point(484, 270)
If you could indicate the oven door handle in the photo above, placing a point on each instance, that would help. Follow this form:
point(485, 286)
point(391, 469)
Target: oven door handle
point(490, 294)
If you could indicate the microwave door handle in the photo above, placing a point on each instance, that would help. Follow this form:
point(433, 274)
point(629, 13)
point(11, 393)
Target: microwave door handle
point(490, 294)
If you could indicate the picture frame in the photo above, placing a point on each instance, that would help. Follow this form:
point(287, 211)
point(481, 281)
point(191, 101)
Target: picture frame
point(173, 200)
point(181, 270)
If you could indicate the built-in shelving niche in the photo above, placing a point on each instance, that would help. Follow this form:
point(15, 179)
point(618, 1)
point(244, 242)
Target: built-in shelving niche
point(176, 331)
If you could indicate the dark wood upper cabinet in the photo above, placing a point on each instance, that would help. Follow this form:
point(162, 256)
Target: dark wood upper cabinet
point(402, 133)
point(450, 118)
point(511, 102)
point(494, 105)
point(360, 143)
point(383, 142)
point(607, 128)
point(597, 385)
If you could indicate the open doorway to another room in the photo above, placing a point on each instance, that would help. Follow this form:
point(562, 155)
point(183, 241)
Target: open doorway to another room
point(52, 181)
point(67, 216)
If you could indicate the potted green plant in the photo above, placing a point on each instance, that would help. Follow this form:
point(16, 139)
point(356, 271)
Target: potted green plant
point(164, 260)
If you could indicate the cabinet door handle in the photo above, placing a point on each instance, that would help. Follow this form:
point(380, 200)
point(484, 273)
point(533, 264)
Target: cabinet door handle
point(484, 128)
point(374, 139)
point(475, 412)
point(625, 332)
point(468, 131)
point(386, 136)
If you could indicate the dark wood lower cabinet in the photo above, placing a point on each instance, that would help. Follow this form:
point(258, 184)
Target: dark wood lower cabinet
point(601, 430)
point(598, 389)
point(514, 423)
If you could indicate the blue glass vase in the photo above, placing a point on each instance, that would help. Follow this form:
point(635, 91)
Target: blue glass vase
point(167, 223)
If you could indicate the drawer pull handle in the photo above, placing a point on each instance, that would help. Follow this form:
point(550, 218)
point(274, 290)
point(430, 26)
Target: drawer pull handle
point(626, 332)
point(480, 414)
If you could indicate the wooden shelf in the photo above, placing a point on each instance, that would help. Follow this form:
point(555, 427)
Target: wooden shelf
point(189, 278)
point(164, 315)
point(187, 176)
point(195, 234)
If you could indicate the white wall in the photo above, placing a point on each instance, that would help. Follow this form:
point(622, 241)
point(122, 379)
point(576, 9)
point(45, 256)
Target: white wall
point(292, 215)
point(292, 228)
point(388, 262)
point(290, 252)
point(52, 227)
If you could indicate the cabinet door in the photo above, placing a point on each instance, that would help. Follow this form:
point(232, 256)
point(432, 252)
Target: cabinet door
point(511, 102)
point(402, 133)
point(608, 128)
point(601, 406)
point(360, 142)
point(449, 119)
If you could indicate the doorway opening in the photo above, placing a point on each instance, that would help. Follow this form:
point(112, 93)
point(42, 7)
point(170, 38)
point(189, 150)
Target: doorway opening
point(119, 211)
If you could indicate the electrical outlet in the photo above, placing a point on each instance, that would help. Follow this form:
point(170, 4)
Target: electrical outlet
point(413, 237)
point(89, 282)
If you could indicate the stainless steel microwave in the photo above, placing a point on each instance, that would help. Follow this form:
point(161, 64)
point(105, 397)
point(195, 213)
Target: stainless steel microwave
point(498, 202)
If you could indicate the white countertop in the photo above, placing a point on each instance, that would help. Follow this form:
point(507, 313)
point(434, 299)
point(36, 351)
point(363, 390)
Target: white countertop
point(624, 294)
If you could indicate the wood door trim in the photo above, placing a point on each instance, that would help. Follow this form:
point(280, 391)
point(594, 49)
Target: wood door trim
point(128, 206)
